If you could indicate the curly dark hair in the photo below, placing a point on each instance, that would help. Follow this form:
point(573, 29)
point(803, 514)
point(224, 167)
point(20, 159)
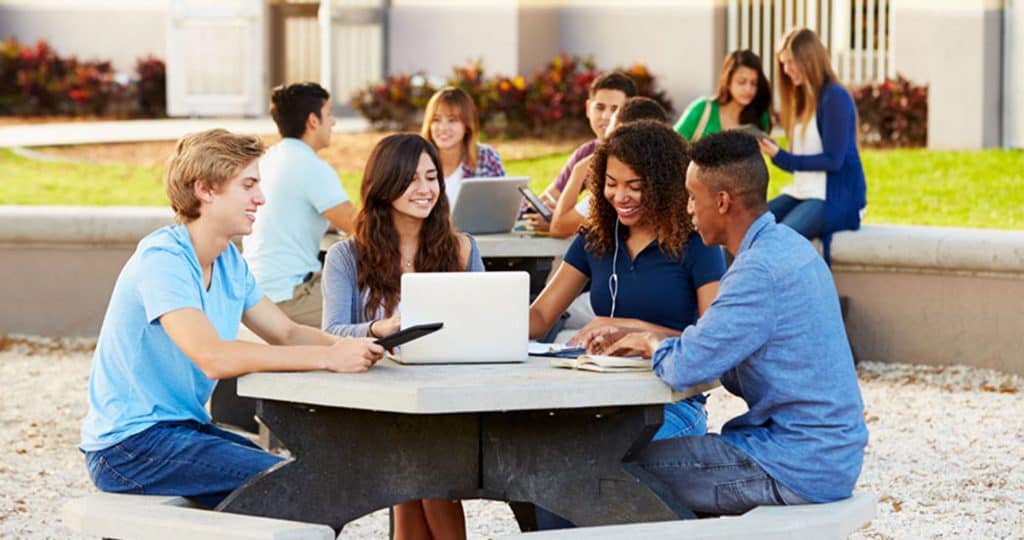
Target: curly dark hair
point(657, 154)
point(389, 171)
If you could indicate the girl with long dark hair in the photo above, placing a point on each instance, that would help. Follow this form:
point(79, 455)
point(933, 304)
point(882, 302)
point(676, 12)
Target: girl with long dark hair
point(744, 97)
point(403, 226)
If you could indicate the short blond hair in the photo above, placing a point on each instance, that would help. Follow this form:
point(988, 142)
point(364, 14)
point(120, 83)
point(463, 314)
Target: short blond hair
point(212, 157)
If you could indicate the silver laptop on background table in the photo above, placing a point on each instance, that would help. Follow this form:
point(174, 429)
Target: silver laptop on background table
point(485, 314)
point(488, 205)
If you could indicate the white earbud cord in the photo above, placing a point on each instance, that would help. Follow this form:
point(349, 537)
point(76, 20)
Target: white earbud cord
point(613, 280)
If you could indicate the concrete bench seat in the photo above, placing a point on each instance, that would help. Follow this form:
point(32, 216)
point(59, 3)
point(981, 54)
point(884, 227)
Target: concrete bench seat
point(831, 521)
point(161, 517)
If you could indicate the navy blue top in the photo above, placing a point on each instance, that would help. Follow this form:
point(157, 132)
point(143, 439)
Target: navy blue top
point(774, 336)
point(652, 287)
point(846, 190)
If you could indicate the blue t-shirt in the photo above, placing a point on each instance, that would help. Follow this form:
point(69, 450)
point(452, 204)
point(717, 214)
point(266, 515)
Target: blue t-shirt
point(653, 287)
point(139, 376)
point(285, 242)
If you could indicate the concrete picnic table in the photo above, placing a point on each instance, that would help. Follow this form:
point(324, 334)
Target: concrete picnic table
point(523, 432)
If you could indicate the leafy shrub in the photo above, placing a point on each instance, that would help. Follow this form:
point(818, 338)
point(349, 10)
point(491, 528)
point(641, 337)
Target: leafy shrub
point(35, 80)
point(395, 103)
point(893, 113)
point(152, 86)
point(551, 102)
point(646, 86)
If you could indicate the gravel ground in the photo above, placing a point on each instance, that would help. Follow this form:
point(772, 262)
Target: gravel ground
point(946, 456)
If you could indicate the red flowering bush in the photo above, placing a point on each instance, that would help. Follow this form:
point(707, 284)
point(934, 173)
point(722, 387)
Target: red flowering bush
point(556, 98)
point(152, 86)
point(395, 103)
point(35, 80)
point(893, 113)
point(551, 102)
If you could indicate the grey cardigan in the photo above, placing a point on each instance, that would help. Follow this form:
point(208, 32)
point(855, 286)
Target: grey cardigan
point(343, 313)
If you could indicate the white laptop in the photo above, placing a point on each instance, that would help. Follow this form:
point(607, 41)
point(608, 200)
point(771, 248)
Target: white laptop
point(486, 317)
point(488, 205)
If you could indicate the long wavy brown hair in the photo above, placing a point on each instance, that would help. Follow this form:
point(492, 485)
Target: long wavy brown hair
point(762, 102)
point(657, 154)
point(458, 100)
point(798, 104)
point(388, 173)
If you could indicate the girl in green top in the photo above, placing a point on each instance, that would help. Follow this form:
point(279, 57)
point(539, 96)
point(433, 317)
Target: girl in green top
point(744, 97)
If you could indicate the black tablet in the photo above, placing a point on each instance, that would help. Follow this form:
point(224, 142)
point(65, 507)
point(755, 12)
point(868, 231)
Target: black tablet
point(408, 334)
point(752, 130)
point(535, 203)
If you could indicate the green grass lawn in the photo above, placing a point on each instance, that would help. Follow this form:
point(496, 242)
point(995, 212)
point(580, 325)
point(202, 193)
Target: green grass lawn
point(921, 187)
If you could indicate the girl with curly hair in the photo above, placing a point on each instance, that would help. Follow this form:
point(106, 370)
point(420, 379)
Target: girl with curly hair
point(647, 266)
point(403, 226)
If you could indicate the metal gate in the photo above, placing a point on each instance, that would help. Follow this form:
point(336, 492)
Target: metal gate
point(857, 33)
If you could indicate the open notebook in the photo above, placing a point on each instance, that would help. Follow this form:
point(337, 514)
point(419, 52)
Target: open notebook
point(603, 364)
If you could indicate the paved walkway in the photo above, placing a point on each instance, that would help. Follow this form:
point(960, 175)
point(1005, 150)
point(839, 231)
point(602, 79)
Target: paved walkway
point(168, 129)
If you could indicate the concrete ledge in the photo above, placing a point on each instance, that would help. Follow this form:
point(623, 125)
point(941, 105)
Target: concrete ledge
point(158, 517)
point(931, 248)
point(831, 521)
point(927, 295)
point(86, 225)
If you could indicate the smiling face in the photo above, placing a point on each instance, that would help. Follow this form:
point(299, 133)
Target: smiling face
point(743, 85)
point(623, 189)
point(447, 128)
point(234, 206)
point(601, 107)
point(790, 67)
point(421, 195)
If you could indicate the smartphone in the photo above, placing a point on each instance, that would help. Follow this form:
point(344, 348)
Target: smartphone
point(751, 129)
point(534, 201)
point(408, 334)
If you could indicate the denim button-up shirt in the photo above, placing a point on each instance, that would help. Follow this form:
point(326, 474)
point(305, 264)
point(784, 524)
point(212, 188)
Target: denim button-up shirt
point(774, 336)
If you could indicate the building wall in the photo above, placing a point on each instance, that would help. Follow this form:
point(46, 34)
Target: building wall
point(435, 35)
point(120, 31)
point(682, 42)
point(954, 46)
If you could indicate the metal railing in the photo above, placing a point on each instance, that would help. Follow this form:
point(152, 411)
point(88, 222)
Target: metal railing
point(857, 33)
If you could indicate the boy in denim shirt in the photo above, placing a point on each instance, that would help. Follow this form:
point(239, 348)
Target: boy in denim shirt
point(774, 336)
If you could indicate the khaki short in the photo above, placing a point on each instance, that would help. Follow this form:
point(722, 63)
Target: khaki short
point(306, 306)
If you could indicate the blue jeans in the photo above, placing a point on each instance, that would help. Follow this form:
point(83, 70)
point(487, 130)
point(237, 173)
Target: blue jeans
point(805, 216)
point(707, 476)
point(186, 458)
point(684, 418)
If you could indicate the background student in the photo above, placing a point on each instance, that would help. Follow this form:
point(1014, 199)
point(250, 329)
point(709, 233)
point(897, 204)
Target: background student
point(450, 123)
point(403, 226)
point(607, 94)
point(744, 97)
point(567, 217)
point(828, 192)
point(304, 197)
point(169, 334)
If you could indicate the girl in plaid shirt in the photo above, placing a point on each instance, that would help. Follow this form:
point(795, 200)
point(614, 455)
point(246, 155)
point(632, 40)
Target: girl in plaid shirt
point(451, 125)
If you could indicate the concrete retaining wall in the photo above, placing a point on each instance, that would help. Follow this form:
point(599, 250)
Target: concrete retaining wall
point(917, 294)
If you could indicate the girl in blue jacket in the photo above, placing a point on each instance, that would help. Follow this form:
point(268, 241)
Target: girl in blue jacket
point(828, 192)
